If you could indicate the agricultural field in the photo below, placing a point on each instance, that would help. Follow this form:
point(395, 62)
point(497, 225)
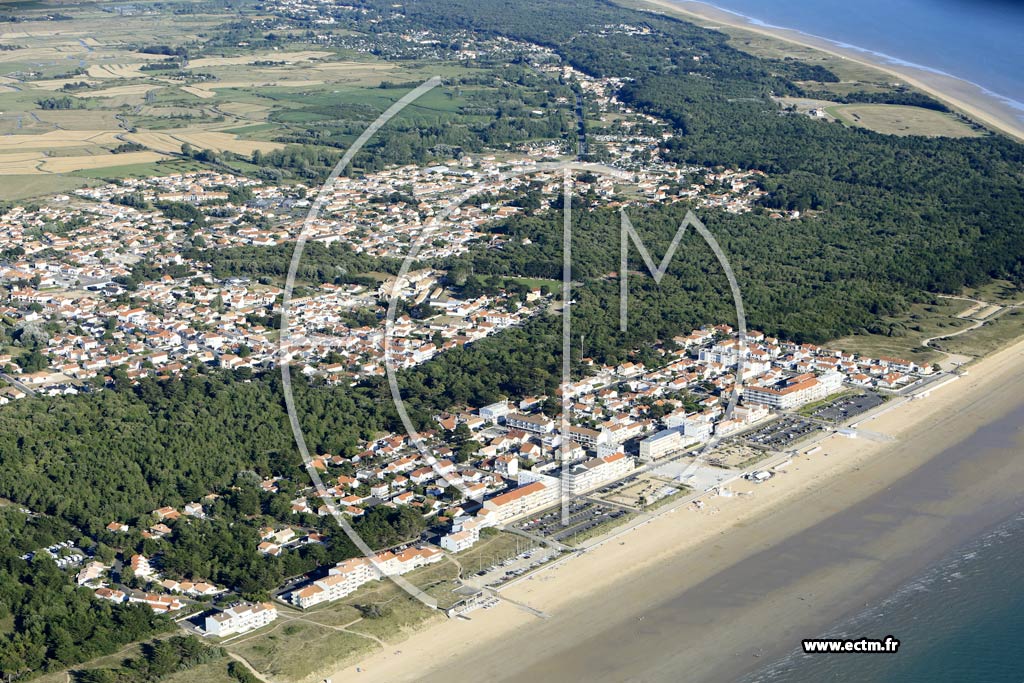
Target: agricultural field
point(28, 163)
point(70, 93)
point(171, 142)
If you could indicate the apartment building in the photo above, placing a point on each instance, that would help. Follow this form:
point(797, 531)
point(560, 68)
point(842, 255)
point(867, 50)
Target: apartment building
point(663, 443)
point(240, 618)
point(522, 500)
point(348, 575)
point(795, 391)
point(597, 471)
point(535, 424)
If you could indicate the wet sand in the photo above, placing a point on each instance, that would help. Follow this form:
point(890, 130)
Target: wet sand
point(709, 595)
point(958, 94)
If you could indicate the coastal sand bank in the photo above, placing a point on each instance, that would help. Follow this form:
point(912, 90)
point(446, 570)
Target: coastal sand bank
point(958, 94)
point(711, 592)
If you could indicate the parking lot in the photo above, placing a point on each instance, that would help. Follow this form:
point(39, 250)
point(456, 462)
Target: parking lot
point(584, 515)
point(512, 567)
point(623, 491)
point(783, 432)
point(846, 407)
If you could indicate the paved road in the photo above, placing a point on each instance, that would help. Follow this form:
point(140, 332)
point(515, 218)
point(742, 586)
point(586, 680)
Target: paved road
point(10, 380)
point(581, 129)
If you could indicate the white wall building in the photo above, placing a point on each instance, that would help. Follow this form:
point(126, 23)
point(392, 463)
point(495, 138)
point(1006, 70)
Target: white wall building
point(495, 411)
point(663, 443)
point(522, 500)
point(597, 471)
point(460, 540)
point(796, 391)
point(348, 575)
point(240, 618)
point(536, 424)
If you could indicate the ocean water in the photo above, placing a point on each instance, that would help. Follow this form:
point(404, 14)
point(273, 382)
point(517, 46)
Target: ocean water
point(980, 41)
point(960, 622)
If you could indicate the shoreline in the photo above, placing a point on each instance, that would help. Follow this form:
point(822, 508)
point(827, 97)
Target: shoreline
point(662, 571)
point(985, 107)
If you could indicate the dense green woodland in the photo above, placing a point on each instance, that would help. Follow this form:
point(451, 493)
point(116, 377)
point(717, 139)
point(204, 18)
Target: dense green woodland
point(939, 213)
point(118, 454)
point(159, 660)
point(46, 622)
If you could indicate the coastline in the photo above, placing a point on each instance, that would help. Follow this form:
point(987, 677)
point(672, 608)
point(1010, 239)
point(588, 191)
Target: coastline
point(971, 99)
point(666, 571)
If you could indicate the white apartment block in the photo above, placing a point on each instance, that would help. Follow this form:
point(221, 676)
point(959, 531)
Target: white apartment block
point(588, 438)
point(522, 500)
point(597, 471)
point(536, 424)
point(663, 443)
point(494, 412)
point(796, 392)
point(240, 618)
point(460, 540)
point(348, 575)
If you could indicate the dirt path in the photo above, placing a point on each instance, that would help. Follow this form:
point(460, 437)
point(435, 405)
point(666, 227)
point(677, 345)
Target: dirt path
point(241, 660)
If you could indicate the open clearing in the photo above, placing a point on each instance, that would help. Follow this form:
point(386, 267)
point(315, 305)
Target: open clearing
point(198, 92)
point(897, 119)
point(115, 70)
point(903, 339)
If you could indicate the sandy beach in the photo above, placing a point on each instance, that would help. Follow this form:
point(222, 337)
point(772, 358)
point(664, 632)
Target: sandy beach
point(706, 591)
point(958, 94)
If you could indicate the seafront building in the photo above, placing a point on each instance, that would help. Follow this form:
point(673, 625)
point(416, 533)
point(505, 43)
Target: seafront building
point(663, 443)
point(348, 575)
point(795, 391)
point(597, 471)
point(240, 618)
point(521, 500)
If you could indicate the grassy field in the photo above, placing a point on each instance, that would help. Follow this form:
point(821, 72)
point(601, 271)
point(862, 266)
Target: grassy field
point(297, 651)
point(214, 672)
point(894, 119)
point(16, 187)
point(171, 142)
point(1001, 331)
point(923, 320)
point(997, 292)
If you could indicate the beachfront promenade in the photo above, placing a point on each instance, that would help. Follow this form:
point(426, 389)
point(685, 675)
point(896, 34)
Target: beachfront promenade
point(670, 553)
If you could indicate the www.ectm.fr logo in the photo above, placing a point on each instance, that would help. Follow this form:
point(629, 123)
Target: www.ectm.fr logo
point(628, 235)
